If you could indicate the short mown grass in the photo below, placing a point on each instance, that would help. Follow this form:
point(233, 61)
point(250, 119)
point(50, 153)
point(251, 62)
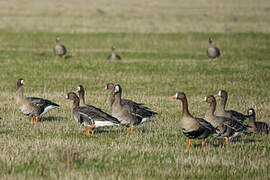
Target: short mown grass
point(150, 73)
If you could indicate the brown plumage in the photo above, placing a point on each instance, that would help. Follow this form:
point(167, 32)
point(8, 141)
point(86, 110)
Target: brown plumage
point(59, 49)
point(256, 126)
point(90, 116)
point(212, 51)
point(193, 127)
point(227, 113)
point(114, 56)
point(228, 127)
point(32, 106)
point(130, 114)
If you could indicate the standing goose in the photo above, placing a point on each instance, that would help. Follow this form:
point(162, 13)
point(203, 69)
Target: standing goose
point(114, 56)
point(90, 116)
point(110, 86)
point(32, 106)
point(193, 127)
point(130, 114)
point(228, 127)
point(256, 126)
point(59, 49)
point(212, 51)
point(228, 113)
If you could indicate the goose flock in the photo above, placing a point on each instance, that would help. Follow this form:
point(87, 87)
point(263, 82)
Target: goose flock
point(218, 122)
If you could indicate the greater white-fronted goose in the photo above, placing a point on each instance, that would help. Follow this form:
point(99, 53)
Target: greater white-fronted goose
point(114, 56)
point(228, 127)
point(90, 116)
point(193, 127)
point(256, 126)
point(59, 49)
point(228, 113)
point(32, 106)
point(128, 113)
point(110, 86)
point(212, 51)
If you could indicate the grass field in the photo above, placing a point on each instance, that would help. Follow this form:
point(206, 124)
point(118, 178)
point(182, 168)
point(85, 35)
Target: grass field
point(163, 52)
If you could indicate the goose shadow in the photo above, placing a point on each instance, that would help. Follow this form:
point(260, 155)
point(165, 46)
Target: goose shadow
point(68, 57)
point(53, 118)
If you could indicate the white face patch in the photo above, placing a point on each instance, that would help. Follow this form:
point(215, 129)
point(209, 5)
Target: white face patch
point(219, 93)
point(66, 96)
point(205, 98)
point(116, 89)
point(176, 95)
point(78, 88)
point(250, 112)
point(22, 82)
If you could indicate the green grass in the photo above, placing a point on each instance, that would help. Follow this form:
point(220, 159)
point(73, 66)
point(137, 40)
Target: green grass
point(154, 67)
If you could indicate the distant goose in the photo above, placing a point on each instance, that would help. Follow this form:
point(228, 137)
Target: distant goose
point(256, 126)
point(193, 127)
point(212, 51)
point(128, 113)
point(114, 56)
point(59, 49)
point(32, 106)
point(228, 127)
point(228, 113)
point(90, 116)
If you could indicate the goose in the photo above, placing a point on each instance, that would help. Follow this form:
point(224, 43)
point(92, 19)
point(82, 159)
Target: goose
point(212, 51)
point(90, 116)
point(256, 126)
point(59, 49)
point(193, 127)
point(110, 86)
point(114, 56)
point(228, 113)
point(32, 106)
point(228, 127)
point(129, 114)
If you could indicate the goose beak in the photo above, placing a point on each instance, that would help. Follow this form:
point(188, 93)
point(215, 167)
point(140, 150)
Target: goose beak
point(217, 95)
point(173, 97)
point(65, 97)
point(204, 99)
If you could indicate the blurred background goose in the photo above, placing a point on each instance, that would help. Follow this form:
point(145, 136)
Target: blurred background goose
point(128, 113)
point(256, 126)
point(32, 106)
point(193, 127)
point(114, 56)
point(227, 113)
point(212, 51)
point(59, 49)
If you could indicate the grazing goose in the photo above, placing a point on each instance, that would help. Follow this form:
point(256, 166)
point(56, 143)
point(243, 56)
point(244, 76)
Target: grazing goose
point(114, 56)
point(110, 86)
point(32, 106)
point(228, 127)
point(212, 51)
point(90, 116)
point(193, 127)
point(256, 126)
point(228, 113)
point(59, 49)
point(130, 114)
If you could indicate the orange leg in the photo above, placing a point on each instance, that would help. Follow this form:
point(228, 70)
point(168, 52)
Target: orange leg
point(87, 131)
point(127, 128)
point(203, 142)
point(37, 119)
point(93, 131)
point(132, 129)
point(217, 141)
point(227, 140)
point(189, 143)
point(32, 118)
